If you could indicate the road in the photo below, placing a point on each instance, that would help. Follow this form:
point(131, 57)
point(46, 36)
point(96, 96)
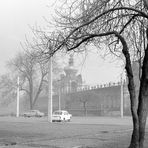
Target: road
point(90, 132)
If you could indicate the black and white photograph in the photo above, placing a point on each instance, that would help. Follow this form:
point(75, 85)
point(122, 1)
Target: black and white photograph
point(73, 73)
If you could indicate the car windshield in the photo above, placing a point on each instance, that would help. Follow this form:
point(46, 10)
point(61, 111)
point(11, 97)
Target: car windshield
point(57, 113)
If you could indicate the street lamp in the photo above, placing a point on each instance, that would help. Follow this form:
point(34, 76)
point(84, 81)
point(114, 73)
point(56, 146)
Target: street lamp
point(121, 100)
point(18, 97)
point(59, 93)
point(50, 91)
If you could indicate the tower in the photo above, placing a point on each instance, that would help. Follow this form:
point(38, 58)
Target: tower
point(70, 79)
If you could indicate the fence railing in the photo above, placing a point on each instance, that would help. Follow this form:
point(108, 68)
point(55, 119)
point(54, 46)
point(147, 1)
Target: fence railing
point(90, 87)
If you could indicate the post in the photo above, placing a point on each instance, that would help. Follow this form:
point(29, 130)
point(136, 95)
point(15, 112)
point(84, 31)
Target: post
point(50, 91)
point(18, 97)
point(121, 101)
point(70, 88)
point(59, 99)
point(59, 94)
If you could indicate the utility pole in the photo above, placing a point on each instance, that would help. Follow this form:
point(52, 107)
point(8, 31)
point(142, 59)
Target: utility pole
point(121, 101)
point(59, 100)
point(59, 94)
point(18, 97)
point(50, 91)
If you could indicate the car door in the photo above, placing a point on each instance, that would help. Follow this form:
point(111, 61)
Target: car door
point(34, 113)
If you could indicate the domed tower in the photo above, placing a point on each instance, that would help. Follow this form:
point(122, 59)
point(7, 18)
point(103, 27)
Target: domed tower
point(70, 70)
point(71, 80)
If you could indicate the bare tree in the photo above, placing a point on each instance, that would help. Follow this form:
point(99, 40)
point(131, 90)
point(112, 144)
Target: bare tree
point(84, 100)
point(7, 89)
point(122, 27)
point(32, 72)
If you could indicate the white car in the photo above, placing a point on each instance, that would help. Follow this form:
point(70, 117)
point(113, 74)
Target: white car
point(61, 115)
point(33, 113)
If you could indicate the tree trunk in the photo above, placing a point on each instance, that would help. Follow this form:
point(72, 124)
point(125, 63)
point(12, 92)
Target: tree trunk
point(135, 135)
point(31, 93)
point(85, 110)
point(142, 113)
point(143, 98)
point(131, 87)
point(38, 91)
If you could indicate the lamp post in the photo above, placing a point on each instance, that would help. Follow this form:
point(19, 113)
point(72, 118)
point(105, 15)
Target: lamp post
point(59, 92)
point(59, 100)
point(50, 91)
point(121, 101)
point(18, 97)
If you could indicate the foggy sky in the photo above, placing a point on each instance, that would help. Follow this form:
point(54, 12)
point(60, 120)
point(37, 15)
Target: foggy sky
point(16, 15)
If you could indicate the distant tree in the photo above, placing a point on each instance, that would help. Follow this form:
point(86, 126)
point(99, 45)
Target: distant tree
point(8, 87)
point(32, 72)
point(84, 100)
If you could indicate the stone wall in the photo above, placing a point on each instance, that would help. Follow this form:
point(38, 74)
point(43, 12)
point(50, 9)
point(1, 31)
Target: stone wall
point(102, 100)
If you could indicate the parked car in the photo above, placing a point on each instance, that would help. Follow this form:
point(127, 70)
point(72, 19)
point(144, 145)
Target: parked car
point(61, 115)
point(33, 113)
